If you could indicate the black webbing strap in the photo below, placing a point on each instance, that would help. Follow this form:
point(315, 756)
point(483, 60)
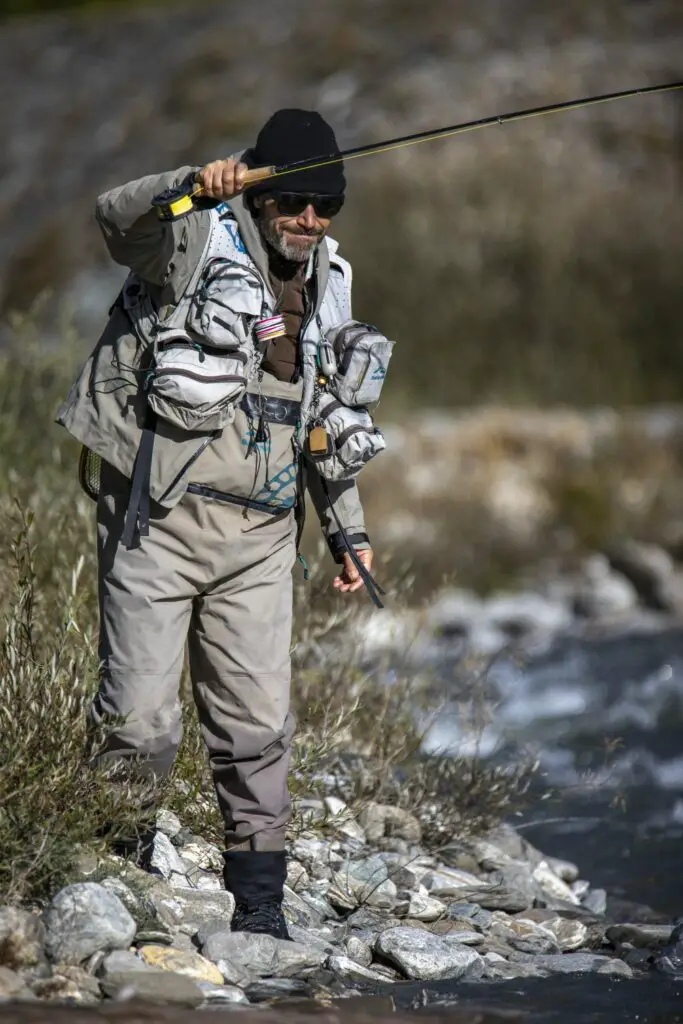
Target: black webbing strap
point(136, 524)
point(371, 585)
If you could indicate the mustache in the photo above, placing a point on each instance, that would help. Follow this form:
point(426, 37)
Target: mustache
point(303, 234)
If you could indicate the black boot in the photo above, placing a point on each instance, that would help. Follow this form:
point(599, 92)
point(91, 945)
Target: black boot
point(256, 879)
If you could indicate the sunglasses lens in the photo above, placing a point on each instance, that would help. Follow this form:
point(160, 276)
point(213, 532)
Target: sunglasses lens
point(292, 204)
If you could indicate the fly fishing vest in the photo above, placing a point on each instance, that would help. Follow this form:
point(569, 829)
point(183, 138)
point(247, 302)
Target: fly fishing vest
point(203, 360)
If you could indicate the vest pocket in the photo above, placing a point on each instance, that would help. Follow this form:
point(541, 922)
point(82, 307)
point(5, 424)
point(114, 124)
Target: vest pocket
point(362, 356)
point(226, 305)
point(355, 439)
point(196, 386)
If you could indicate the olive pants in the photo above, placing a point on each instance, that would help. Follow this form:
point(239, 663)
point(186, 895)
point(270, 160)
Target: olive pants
point(208, 575)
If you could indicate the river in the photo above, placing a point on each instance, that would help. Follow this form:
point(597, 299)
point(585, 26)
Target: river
point(619, 816)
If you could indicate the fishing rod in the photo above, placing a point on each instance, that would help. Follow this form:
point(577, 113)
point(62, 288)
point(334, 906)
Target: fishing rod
point(178, 202)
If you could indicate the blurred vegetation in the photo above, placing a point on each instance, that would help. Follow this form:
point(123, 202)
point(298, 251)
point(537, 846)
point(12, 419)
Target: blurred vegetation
point(10, 7)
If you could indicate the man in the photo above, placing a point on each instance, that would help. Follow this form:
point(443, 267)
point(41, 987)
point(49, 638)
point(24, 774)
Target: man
point(200, 545)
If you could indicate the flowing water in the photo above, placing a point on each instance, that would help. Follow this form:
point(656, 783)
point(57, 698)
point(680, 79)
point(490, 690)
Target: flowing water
point(616, 810)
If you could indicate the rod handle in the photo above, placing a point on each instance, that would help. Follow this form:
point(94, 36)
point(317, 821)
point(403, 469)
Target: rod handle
point(257, 174)
point(252, 177)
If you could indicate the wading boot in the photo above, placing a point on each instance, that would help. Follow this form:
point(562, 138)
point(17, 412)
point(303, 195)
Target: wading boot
point(256, 879)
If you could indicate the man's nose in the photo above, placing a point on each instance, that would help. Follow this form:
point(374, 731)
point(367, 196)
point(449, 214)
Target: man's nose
point(307, 218)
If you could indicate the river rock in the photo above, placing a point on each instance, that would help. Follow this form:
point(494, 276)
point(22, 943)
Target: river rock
point(670, 960)
point(350, 970)
point(420, 906)
point(450, 880)
point(569, 935)
point(221, 995)
point(192, 965)
point(300, 910)
point(343, 821)
point(297, 876)
point(371, 870)
point(407, 878)
point(470, 912)
point(12, 985)
point(652, 572)
point(552, 885)
point(261, 956)
point(496, 895)
point(198, 908)
point(87, 985)
point(84, 918)
point(294, 958)
point(168, 823)
point(595, 901)
point(263, 989)
point(257, 954)
point(320, 939)
point(22, 938)
point(459, 930)
point(348, 891)
point(120, 961)
point(425, 957)
point(235, 974)
point(202, 854)
point(316, 853)
point(165, 859)
point(504, 970)
point(526, 936)
point(565, 870)
point(163, 987)
point(575, 963)
point(380, 820)
point(59, 987)
point(642, 936)
point(358, 951)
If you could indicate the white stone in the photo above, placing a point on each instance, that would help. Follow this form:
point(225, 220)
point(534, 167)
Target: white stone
point(552, 885)
point(85, 918)
point(202, 854)
point(426, 957)
point(165, 859)
point(343, 821)
point(351, 970)
point(168, 822)
point(420, 907)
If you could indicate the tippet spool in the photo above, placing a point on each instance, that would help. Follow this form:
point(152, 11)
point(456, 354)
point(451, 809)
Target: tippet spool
point(270, 328)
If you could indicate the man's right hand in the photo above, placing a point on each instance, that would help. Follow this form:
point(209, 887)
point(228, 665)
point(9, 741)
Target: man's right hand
point(222, 179)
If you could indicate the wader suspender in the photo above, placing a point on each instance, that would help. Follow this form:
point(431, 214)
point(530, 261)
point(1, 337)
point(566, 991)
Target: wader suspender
point(136, 524)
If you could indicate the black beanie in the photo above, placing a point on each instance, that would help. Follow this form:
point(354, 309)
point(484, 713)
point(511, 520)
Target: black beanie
point(291, 135)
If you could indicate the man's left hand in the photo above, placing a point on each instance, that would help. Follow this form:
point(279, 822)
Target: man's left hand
point(349, 579)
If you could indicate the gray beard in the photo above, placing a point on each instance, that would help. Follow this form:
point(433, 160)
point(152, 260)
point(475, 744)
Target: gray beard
point(295, 253)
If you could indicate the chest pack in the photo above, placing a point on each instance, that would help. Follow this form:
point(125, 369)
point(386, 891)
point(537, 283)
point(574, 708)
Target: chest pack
point(203, 353)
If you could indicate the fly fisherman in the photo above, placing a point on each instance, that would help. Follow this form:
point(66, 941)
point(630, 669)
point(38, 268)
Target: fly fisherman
point(229, 379)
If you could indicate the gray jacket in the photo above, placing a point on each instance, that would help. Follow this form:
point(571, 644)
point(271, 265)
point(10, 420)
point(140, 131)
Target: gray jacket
point(106, 407)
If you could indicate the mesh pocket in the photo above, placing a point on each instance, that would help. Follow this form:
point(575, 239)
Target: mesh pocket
point(89, 472)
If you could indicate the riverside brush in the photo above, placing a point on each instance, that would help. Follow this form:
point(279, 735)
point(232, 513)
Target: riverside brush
point(178, 202)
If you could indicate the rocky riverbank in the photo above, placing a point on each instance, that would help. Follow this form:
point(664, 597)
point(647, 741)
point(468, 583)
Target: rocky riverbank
point(368, 906)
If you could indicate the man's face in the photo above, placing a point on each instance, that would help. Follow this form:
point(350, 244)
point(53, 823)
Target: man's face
point(294, 233)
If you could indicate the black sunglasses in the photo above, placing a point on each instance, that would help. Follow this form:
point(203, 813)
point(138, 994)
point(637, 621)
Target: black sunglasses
point(291, 204)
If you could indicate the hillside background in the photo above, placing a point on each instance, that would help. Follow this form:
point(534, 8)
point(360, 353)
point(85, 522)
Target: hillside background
point(540, 262)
